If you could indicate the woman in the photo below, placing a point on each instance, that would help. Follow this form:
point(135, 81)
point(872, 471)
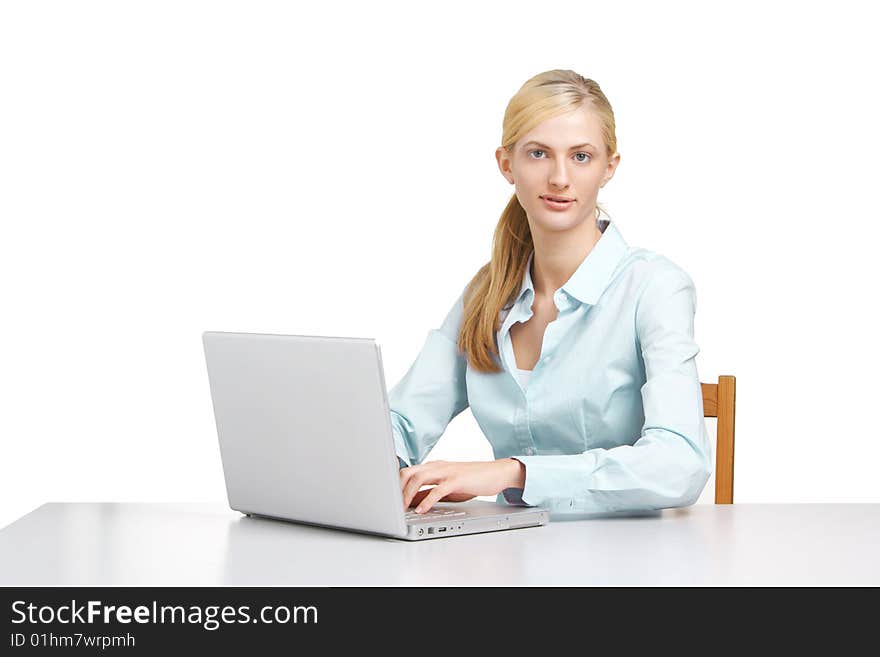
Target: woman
point(574, 351)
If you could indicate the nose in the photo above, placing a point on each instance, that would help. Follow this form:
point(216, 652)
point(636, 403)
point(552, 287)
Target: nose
point(559, 176)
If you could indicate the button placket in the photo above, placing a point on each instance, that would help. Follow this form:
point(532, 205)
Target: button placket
point(521, 430)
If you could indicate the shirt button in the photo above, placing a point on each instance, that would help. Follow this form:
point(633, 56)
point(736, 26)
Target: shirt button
point(528, 451)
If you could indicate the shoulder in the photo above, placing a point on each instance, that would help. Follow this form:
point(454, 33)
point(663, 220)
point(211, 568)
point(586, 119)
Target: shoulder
point(656, 286)
point(649, 272)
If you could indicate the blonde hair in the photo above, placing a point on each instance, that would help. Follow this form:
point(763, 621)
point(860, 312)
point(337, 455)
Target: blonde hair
point(495, 285)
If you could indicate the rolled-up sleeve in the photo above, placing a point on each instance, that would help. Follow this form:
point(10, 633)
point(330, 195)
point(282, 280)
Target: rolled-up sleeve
point(431, 393)
point(670, 463)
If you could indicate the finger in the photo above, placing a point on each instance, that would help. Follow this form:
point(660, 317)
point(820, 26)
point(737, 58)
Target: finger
point(419, 496)
point(450, 497)
point(432, 498)
point(426, 474)
point(406, 475)
point(415, 483)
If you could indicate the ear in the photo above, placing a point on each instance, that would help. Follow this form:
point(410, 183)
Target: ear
point(503, 159)
point(613, 161)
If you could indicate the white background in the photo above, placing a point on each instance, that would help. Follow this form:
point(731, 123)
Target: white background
point(172, 167)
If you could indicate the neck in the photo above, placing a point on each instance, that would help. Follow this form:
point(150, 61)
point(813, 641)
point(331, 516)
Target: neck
point(559, 254)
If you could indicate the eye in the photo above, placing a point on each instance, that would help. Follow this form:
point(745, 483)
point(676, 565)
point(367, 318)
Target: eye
point(538, 150)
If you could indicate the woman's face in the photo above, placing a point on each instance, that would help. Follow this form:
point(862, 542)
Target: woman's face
point(563, 157)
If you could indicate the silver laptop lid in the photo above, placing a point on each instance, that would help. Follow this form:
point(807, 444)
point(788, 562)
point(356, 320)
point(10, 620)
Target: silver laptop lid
point(304, 429)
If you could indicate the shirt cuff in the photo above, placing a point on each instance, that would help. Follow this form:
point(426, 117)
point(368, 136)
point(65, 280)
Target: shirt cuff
point(399, 446)
point(514, 496)
point(553, 480)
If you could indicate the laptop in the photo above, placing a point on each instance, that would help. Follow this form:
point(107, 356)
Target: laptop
point(305, 436)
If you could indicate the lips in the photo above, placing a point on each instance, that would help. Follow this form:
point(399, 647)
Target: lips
point(561, 199)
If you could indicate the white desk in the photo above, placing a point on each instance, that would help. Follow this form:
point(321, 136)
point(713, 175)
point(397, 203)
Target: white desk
point(210, 545)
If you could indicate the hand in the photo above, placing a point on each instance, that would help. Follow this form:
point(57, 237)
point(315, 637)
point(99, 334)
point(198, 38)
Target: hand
point(452, 497)
point(457, 481)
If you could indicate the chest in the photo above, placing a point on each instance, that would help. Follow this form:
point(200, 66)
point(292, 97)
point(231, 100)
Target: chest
point(527, 337)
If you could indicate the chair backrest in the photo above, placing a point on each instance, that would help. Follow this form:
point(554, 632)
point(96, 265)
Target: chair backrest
point(719, 400)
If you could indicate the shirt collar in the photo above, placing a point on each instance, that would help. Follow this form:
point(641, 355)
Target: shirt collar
point(593, 275)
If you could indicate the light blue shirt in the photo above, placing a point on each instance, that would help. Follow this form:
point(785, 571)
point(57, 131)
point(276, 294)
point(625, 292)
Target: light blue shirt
point(612, 417)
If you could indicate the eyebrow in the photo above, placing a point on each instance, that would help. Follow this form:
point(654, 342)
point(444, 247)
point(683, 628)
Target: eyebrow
point(537, 143)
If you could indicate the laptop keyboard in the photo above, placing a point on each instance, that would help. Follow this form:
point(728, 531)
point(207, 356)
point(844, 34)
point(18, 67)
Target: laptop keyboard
point(440, 514)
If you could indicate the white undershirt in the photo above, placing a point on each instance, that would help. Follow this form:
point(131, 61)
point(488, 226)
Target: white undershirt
point(523, 376)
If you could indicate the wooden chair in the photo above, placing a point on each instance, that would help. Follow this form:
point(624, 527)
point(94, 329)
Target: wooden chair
point(719, 400)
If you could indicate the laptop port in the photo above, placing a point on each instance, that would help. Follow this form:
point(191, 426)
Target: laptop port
point(430, 530)
point(441, 529)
